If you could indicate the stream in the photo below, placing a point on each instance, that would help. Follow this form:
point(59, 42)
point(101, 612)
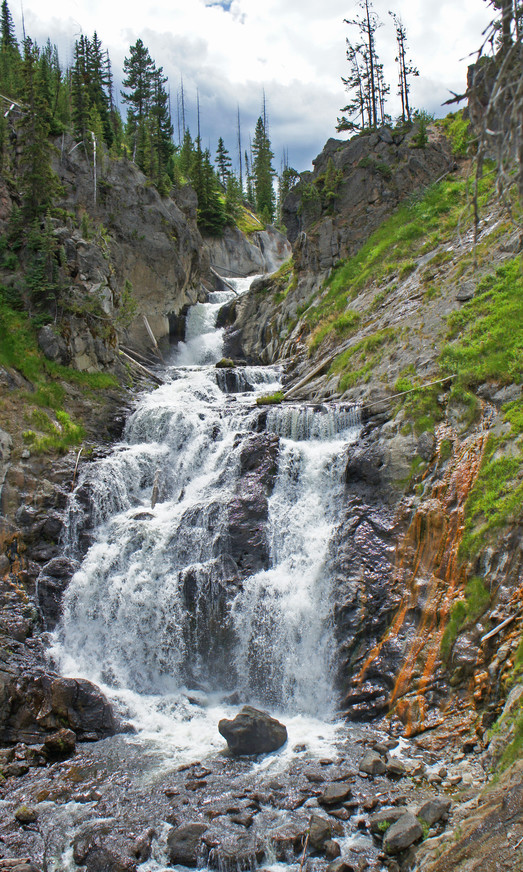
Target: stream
point(205, 586)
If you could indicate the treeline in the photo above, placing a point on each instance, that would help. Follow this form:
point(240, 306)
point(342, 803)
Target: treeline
point(366, 83)
point(46, 100)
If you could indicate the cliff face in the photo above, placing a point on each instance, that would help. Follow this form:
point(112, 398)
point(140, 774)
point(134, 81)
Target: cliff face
point(140, 237)
point(409, 305)
point(329, 215)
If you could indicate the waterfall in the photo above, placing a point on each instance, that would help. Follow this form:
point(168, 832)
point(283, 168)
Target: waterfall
point(164, 602)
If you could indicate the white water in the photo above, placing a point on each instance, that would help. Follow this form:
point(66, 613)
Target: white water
point(145, 616)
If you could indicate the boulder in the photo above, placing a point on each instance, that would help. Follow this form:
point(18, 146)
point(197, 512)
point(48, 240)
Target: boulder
point(402, 834)
point(60, 745)
point(26, 814)
point(253, 732)
point(434, 810)
point(335, 794)
point(372, 764)
point(183, 844)
point(381, 821)
point(320, 832)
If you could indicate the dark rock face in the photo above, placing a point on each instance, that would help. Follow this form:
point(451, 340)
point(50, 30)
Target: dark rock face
point(248, 511)
point(253, 732)
point(33, 707)
point(51, 585)
point(184, 843)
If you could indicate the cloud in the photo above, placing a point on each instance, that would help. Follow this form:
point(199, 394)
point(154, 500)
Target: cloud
point(232, 50)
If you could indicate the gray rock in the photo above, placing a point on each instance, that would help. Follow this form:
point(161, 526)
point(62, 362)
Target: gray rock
point(335, 794)
point(379, 822)
point(52, 345)
point(427, 446)
point(331, 849)
point(395, 768)
point(372, 764)
point(434, 810)
point(466, 291)
point(320, 832)
point(402, 834)
point(142, 845)
point(253, 732)
point(183, 844)
point(26, 814)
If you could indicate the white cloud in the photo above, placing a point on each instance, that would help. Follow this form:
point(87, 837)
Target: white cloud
point(294, 49)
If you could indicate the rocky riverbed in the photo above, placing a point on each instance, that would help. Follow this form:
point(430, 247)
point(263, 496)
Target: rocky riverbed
point(350, 798)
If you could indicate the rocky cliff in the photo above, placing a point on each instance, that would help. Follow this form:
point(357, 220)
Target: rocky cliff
point(389, 290)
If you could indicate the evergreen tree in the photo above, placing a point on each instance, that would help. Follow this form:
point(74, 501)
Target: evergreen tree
point(211, 212)
point(405, 67)
point(366, 79)
point(263, 172)
point(38, 183)
point(161, 130)
point(223, 162)
point(139, 69)
point(233, 199)
point(10, 59)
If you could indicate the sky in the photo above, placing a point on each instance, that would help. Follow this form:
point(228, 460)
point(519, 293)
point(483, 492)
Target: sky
point(232, 51)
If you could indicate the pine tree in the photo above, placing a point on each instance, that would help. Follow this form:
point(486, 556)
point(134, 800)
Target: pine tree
point(139, 69)
point(38, 183)
point(10, 59)
point(161, 129)
point(263, 172)
point(223, 162)
point(233, 199)
point(405, 67)
point(366, 75)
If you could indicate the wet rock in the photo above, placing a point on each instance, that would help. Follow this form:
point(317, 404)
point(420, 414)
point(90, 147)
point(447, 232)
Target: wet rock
point(183, 844)
point(381, 820)
point(335, 794)
point(395, 768)
point(236, 852)
point(402, 834)
point(372, 764)
point(17, 864)
point(321, 831)
point(331, 849)
point(434, 810)
point(344, 865)
point(288, 840)
point(142, 845)
point(104, 859)
point(60, 745)
point(243, 819)
point(253, 732)
point(26, 814)
point(51, 585)
point(32, 707)
point(249, 508)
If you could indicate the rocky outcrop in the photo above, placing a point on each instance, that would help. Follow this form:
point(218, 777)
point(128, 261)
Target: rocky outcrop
point(369, 175)
point(32, 707)
point(253, 732)
point(249, 509)
point(235, 254)
point(130, 234)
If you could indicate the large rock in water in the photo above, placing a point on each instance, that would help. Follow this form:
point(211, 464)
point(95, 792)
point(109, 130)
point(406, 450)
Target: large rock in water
point(253, 732)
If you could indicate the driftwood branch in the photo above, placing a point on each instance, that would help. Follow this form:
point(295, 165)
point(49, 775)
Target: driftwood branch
point(142, 369)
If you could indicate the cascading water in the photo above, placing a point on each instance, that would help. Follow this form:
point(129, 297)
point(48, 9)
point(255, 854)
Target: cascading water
point(160, 613)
